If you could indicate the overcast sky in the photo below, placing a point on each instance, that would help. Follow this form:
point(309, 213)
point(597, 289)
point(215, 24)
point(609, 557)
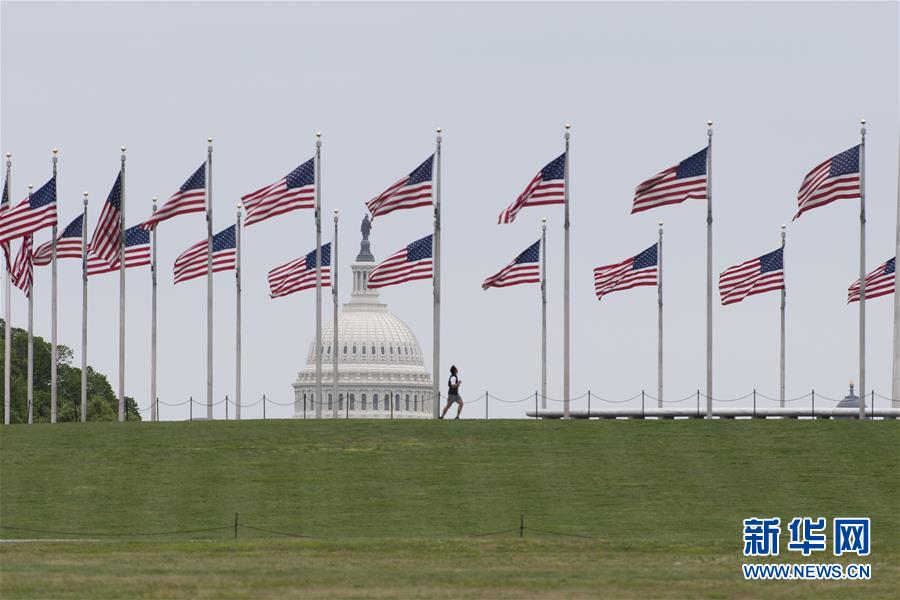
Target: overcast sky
point(785, 84)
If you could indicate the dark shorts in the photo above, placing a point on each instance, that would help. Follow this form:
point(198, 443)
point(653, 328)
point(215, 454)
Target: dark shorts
point(451, 398)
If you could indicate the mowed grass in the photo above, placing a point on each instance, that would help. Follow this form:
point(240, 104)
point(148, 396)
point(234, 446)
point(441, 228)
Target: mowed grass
point(397, 508)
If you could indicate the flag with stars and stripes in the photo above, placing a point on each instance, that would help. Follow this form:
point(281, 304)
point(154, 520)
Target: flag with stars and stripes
point(763, 274)
point(408, 264)
point(300, 274)
point(636, 271)
point(547, 187)
point(137, 253)
point(108, 234)
point(674, 185)
point(412, 191)
point(4, 205)
point(68, 244)
point(190, 198)
point(32, 214)
point(525, 268)
point(879, 282)
point(294, 191)
point(23, 267)
point(835, 179)
point(192, 262)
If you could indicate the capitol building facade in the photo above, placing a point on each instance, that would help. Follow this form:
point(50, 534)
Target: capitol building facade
point(381, 372)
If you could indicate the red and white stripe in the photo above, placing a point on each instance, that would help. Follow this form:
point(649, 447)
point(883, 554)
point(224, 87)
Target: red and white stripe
point(878, 283)
point(665, 188)
point(135, 256)
point(537, 193)
point(745, 280)
point(622, 276)
point(22, 220)
point(295, 277)
point(400, 196)
point(23, 267)
point(192, 262)
point(181, 203)
point(107, 237)
point(514, 274)
point(396, 269)
point(65, 248)
point(818, 189)
point(277, 199)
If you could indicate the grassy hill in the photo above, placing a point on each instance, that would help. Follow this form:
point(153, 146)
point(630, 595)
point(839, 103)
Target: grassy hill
point(398, 508)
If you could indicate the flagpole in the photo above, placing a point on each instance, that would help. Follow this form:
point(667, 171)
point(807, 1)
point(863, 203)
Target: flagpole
point(566, 339)
point(709, 277)
point(153, 404)
point(544, 313)
point(53, 323)
point(237, 337)
point(862, 270)
point(436, 257)
point(659, 302)
point(783, 301)
point(122, 292)
point(318, 177)
point(30, 369)
point(209, 282)
point(334, 295)
point(895, 375)
point(7, 294)
point(84, 309)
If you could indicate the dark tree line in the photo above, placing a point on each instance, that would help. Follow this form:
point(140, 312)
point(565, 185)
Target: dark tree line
point(102, 402)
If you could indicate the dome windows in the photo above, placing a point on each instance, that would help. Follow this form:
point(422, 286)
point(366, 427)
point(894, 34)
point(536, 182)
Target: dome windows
point(354, 350)
point(345, 349)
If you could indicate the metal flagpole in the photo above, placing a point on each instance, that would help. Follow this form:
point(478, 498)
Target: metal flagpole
point(84, 309)
point(209, 282)
point(30, 370)
point(436, 252)
point(659, 303)
point(783, 300)
point(122, 291)
point(709, 277)
point(862, 269)
point(7, 296)
point(237, 333)
point(334, 296)
point(53, 323)
point(895, 375)
point(318, 176)
point(154, 416)
point(566, 339)
point(544, 313)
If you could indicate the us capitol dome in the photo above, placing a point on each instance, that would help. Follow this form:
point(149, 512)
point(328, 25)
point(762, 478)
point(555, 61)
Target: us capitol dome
point(381, 373)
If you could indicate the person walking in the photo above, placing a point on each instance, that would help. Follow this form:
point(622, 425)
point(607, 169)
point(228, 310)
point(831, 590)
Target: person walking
point(453, 392)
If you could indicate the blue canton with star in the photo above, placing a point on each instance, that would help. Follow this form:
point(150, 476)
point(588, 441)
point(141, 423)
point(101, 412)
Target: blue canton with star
point(326, 257)
point(115, 194)
point(45, 194)
point(73, 229)
point(197, 181)
point(303, 175)
point(419, 249)
point(135, 236)
point(773, 261)
point(645, 259)
point(423, 172)
point(555, 169)
point(531, 255)
point(224, 240)
point(891, 266)
point(845, 163)
point(692, 166)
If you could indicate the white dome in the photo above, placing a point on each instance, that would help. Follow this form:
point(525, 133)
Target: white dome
point(370, 336)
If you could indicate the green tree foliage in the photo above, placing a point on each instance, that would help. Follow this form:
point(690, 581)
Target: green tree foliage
point(102, 401)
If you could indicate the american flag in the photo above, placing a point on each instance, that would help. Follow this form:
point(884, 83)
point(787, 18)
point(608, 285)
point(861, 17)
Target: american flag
point(68, 244)
point(4, 205)
point(879, 282)
point(835, 179)
point(190, 198)
point(525, 268)
point(295, 191)
point(412, 191)
point(547, 187)
point(137, 253)
point(408, 264)
point(300, 274)
point(763, 274)
point(23, 268)
point(676, 184)
point(33, 213)
point(636, 271)
point(108, 234)
point(192, 262)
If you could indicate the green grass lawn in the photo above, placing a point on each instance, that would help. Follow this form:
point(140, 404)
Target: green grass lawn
point(395, 507)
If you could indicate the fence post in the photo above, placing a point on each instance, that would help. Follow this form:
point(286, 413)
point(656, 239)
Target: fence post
point(754, 403)
point(191, 409)
point(521, 524)
point(589, 405)
point(872, 410)
point(347, 406)
point(535, 405)
point(698, 404)
point(485, 405)
point(264, 407)
point(814, 404)
point(235, 525)
point(304, 406)
point(642, 404)
point(157, 407)
point(226, 407)
point(392, 404)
